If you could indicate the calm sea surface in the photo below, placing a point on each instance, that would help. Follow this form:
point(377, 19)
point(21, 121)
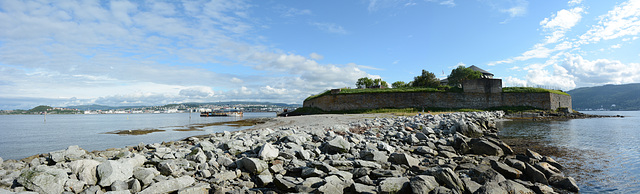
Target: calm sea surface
point(606, 151)
point(26, 135)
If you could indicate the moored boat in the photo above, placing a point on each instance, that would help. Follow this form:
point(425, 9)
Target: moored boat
point(222, 114)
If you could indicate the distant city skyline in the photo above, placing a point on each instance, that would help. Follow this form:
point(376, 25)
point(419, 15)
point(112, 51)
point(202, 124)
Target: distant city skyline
point(129, 53)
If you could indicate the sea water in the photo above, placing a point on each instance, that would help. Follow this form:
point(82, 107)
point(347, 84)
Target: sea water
point(26, 135)
point(607, 149)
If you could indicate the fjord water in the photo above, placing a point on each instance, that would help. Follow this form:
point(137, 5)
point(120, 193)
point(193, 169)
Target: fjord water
point(26, 135)
point(605, 151)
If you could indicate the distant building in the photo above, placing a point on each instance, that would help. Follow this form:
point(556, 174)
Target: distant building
point(485, 74)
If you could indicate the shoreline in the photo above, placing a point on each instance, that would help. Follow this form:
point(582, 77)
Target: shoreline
point(332, 152)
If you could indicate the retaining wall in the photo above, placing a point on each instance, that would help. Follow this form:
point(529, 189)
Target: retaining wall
point(338, 102)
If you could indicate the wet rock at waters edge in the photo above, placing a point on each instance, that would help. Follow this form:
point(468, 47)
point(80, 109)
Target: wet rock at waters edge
point(567, 183)
point(43, 179)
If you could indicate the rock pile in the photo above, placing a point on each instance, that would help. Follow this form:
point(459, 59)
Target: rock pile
point(449, 153)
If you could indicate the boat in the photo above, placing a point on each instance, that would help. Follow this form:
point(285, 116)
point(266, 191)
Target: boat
point(222, 114)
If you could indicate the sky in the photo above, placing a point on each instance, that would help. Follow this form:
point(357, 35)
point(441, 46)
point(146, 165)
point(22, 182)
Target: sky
point(124, 53)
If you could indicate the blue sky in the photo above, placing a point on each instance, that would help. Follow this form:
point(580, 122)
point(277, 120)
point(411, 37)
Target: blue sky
point(64, 53)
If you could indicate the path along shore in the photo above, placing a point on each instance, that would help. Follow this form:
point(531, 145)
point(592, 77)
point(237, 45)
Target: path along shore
point(367, 153)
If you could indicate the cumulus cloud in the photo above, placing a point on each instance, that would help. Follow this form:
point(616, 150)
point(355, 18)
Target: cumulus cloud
point(116, 52)
point(197, 92)
point(563, 19)
point(601, 71)
point(622, 21)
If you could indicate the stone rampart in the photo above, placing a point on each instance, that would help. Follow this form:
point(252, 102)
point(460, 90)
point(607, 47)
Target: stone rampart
point(340, 102)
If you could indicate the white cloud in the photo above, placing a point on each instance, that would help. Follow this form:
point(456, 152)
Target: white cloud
point(616, 46)
point(330, 28)
point(574, 2)
point(563, 19)
point(316, 56)
point(197, 92)
point(292, 12)
point(601, 71)
point(449, 3)
point(622, 21)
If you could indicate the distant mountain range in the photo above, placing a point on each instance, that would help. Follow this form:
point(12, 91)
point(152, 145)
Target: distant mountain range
point(608, 97)
point(187, 104)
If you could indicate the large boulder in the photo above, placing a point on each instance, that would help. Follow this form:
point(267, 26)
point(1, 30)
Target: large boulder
point(72, 153)
point(483, 146)
point(395, 185)
point(423, 184)
point(253, 165)
point(170, 185)
point(534, 175)
point(145, 175)
point(44, 179)
point(85, 170)
point(402, 158)
point(268, 152)
point(450, 179)
point(506, 170)
point(114, 170)
point(337, 145)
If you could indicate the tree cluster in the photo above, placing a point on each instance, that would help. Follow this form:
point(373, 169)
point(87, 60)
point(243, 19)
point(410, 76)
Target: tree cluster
point(425, 80)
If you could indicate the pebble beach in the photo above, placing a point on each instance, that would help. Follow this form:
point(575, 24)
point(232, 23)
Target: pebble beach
point(354, 153)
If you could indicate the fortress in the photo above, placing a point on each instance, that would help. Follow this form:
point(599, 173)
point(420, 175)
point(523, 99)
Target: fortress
point(477, 94)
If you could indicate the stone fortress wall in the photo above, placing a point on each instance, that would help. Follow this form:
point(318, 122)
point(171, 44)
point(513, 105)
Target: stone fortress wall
point(478, 94)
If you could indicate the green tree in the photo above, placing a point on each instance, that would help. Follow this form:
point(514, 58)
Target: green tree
point(364, 82)
point(460, 74)
point(400, 84)
point(426, 80)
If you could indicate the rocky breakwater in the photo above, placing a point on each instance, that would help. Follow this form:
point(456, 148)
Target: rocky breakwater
point(449, 153)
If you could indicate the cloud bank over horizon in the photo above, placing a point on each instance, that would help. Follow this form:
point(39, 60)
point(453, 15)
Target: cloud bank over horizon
point(121, 53)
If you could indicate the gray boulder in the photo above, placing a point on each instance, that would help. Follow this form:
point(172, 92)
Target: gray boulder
point(72, 153)
point(268, 152)
point(483, 146)
point(362, 188)
point(254, 165)
point(337, 145)
point(395, 185)
point(423, 184)
point(514, 187)
point(168, 186)
point(402, 158)
point(368, 164)
point(535, 175)
point(145, 175)
point(567, 183)
point(507, 171)
point(43, 179)
point(484, 173)
point(491, 187)
point(85, 170)
point(119, 186)
point(533, 154)
point(197, 189)
point(73, 185)
point(373, 155)
point(450, 179)
point(111, 170)
point(206, 146)
point(283, 184)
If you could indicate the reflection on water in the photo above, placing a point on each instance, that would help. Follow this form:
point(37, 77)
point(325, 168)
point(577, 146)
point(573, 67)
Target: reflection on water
point(603, 154)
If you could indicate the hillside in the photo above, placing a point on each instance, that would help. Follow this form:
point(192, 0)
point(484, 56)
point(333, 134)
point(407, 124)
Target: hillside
point(624, 97)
